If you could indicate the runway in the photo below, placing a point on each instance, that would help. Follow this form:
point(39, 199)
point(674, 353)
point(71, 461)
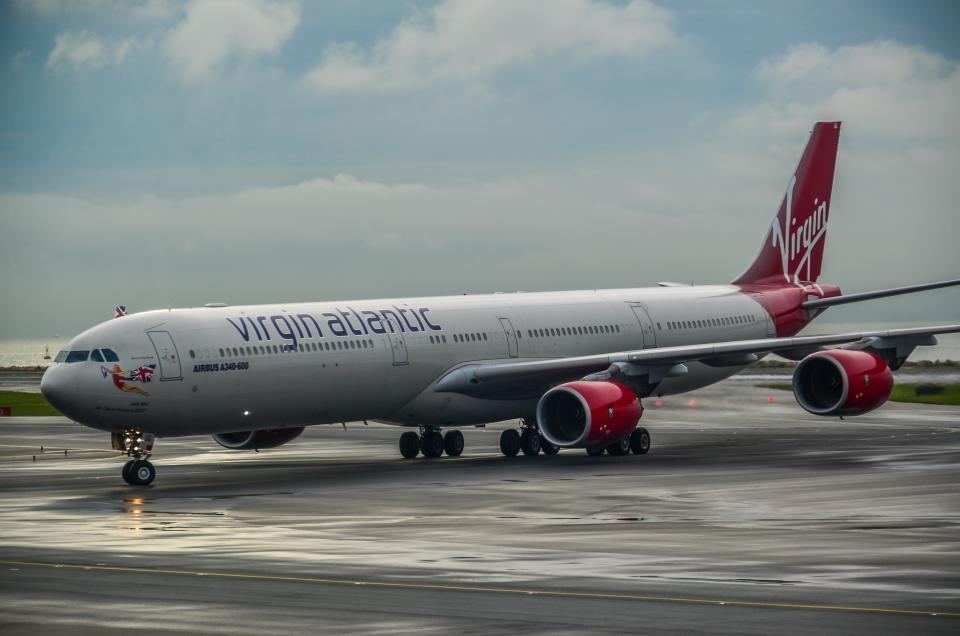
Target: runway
point(747, 517)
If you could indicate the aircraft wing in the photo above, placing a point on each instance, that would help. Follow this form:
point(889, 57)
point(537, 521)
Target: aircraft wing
point(528, 377)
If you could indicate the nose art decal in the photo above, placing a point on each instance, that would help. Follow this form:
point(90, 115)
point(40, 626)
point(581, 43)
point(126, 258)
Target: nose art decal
point(121, 378)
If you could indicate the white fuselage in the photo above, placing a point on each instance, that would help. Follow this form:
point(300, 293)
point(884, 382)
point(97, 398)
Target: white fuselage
point(221, 369)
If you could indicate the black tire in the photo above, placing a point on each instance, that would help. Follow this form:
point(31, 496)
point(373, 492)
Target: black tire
point(409, 445)
point(126, 470)
point(640, 441)
point(620, 447)
point(142, 473)
point(530, 442)
point(547, 448)
point(595, 451)
point(431, 444)
point(453, 443)
point(510, 442)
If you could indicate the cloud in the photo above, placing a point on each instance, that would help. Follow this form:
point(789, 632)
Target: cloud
point(82, 49)
point(77, 49)
point(18, 59)
point(215, 31)
point(468, 41)
point(882, 87)
point(700, 217)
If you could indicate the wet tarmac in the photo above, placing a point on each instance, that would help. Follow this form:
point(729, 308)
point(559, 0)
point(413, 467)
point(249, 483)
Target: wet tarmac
point(747, 517)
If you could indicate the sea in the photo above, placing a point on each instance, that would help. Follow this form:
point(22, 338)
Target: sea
point(31, 352)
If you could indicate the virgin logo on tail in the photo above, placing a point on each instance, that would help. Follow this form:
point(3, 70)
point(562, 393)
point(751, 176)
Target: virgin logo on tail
point(793, 254)
point(793, 241)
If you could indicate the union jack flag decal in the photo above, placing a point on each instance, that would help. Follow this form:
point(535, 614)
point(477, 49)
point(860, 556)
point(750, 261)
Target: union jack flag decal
point(120, 311)
point(143, 373)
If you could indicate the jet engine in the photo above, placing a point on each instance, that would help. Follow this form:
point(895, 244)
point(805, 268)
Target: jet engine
point(255, 440)
point(587, 414)
point(842, 382)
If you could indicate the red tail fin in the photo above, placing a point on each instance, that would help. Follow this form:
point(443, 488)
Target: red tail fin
point(793, 251)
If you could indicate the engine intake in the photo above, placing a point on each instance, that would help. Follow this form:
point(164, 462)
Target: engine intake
point(255, 440)
point(583, 414)
point(842, 382)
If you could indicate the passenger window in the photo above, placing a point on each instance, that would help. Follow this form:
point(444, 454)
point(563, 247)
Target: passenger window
point(485, 335)
point(95, 356)
point(77, 356)
point(444, 338)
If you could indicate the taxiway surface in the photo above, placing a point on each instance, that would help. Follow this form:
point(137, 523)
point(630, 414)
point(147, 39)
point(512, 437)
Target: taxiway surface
point(747, 517)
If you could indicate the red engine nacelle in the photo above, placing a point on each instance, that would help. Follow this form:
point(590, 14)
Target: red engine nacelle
point(842, 382)
point(255, 440)
point(581, 414)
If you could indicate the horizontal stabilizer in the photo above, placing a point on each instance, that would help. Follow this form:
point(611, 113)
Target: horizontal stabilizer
point(883, 293)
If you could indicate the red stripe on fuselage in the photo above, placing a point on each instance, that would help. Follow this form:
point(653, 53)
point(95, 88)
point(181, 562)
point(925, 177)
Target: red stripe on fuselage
point(783, 304)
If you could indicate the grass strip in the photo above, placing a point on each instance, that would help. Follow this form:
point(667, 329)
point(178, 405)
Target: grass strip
point(905, 392)
point(25, 404)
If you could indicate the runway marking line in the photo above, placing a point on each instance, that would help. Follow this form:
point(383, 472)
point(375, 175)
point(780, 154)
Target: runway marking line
point(449, 587)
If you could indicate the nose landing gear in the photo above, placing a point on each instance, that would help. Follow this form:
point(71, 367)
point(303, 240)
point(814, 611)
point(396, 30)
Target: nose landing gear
point(138, 471)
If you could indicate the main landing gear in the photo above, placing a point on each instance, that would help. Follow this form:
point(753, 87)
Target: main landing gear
point(527, 440)
point(431, 442)
point(637, 442)
point(138, 471)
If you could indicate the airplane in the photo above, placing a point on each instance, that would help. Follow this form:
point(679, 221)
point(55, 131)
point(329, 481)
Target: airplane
point(571, 367)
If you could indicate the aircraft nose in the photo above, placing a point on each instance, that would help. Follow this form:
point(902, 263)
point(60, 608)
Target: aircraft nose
point(58, 386)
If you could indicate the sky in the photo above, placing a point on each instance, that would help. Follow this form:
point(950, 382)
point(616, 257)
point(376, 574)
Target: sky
point(172, 153)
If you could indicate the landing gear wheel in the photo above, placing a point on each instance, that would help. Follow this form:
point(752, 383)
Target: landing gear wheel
point(640, 441)
point(126, 470)
point(530, 442)
point(620, 447)
point(547, 447)
point(595, 451)
point(453, 443)
point(409, 445)
point(510, 442)
point(431, 443)
point(141, 473)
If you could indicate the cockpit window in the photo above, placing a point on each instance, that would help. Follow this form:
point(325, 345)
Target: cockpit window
point(109, 355)
point(95, 356)
point(61, 356)
point(77, 356)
